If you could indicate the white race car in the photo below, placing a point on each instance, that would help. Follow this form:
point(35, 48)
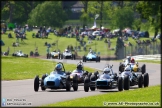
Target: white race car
point(19, 54)
point(68, 55)
point(55, 54)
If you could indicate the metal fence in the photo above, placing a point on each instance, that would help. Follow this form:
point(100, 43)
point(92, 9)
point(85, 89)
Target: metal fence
point(151, 48)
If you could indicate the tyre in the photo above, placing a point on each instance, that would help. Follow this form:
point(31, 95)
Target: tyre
point(126, 82)
point(68, 84)
point(143, 69)
point(83, 59)
point(89, 75)
point(42, 82)
point(86, 84)
point(121, 67)
point(27, 55)
point(96, 73)
point(75, 82)
point(92, 78)
point(74, 57)
point(36, 84)
point(146, 80)
point(120, 84)
point(99, 59)
point(140, 81)
point(13, 54)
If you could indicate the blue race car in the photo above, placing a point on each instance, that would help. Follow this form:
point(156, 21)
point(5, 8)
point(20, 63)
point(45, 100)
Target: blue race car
point(92, 56)
point(108, 80)
point(57, 79)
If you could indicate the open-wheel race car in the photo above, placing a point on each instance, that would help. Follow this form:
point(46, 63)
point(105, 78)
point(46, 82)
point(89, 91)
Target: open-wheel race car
point(19, 54)
point(91, 56)
point(130, 78)
point(68, 55)
point(54, 54)
point(81, 73)
point(108, 80)
point(134, 65)
point(57, 79)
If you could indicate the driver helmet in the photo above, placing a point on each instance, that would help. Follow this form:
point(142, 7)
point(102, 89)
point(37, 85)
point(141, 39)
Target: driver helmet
point(106, 70)
point(79, 67)
point(58, 67)
point(132, 60)
point(127, 68)
point(129, 58)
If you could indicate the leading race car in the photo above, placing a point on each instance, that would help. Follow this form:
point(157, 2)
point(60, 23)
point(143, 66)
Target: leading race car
point(92, 56)
point(81, 73)
point(19, 54)
point(130, 78)
point(134, 65)
point(68, 55)
point(108, 80)
point(57, 79)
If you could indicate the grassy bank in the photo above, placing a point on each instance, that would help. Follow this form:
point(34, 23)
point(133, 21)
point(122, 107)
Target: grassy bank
point(149, 95)
point(31, 43)
point(14, 68)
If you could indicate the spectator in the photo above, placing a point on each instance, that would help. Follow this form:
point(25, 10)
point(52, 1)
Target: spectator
point(9, 35)
point(109, 43)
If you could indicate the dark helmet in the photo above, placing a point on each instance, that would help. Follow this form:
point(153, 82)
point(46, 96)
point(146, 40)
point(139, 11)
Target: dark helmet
point(80, 67)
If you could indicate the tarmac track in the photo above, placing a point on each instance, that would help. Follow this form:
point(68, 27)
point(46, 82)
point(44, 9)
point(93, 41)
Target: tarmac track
point(24, 89)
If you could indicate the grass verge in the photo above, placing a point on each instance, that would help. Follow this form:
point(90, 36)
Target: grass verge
point(14, 68)
point(150, 94)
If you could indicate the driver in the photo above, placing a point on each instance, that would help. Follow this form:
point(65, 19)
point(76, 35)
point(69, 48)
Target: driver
point(132, 60)
point(58, 69)
point(107, 72)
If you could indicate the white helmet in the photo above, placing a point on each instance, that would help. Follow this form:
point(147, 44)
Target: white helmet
point(127, 68)
point(106, 70)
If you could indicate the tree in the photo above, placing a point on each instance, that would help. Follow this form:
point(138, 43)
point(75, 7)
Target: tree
point(49, 13)
point(151, 10)
point(123, 18)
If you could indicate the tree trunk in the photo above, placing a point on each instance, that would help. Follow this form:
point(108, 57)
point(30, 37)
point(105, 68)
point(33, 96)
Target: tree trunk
point(101, 14)
point(11, 10)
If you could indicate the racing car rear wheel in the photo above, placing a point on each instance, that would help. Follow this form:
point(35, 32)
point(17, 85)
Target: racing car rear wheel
point(143, 68)
point(36, 83)
point(75, 83)
point(68, 83)
point(140, 81)
point(98, 59)
point(86, 84)
point(120, 84)
point(84, 59)
point(146, 79)
point(74, 57)
point(126, 82)
point(42, 82)
point(13, 54)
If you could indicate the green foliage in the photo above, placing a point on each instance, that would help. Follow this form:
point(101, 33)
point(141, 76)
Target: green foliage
point(123, 18)
point(49, 13)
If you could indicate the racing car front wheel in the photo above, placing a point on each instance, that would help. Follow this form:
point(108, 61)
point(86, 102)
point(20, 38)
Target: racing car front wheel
point(126, 82)
point(75, 82)
point(140, 81)
point(36, 83)
point(86, 84)
point(146, 79)
point(68, 83)
point(120, 84)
